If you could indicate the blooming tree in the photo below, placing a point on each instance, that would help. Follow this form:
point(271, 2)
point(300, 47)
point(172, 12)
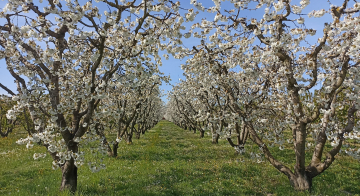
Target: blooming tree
point(128, 106)
point(257, 77)
point(270, 68)
point(6, 125)
point(185, 106)
point(8, 122)
point(72, 56)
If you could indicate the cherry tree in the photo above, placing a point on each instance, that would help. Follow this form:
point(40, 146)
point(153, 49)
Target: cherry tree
point(8, 122)
point(204, 104)
point(277, 79)
point(187, 107)
point(6, 125)
point(71, 56)
point(127, 106)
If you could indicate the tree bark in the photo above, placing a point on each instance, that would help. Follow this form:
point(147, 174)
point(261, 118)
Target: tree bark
point(100, 132)
point(137, 135)
point(11, 123)
point(138, 131)
point(202, 134)
point(215, 138)
point(145, 129)
point(115, 149)
point(301, 182)
point(5, 134)
point(129, 138)
point(69, 171)
point(242, 135)
point(69, 176)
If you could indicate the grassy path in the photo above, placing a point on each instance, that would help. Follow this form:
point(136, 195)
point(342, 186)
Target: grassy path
point(167, 161)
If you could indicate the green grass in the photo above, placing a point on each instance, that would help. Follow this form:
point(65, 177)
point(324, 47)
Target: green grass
point(169, 161)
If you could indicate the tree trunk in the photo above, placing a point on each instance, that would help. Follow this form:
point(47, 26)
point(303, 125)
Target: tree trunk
point(69, 171)
point(215, 138)
point(301, 182)
point(202, 134)
point(242, 135)
point(69, 176)
point(115, 148)
point(129, 138)
point(8, 129)
point(100, 132)
point(137, 135)
point(109, 150)
point(5, 134)
point(138, 132)
point(144, 130)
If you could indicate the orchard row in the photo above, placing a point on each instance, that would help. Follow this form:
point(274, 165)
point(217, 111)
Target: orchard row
point(80, 73)
point(266, 80)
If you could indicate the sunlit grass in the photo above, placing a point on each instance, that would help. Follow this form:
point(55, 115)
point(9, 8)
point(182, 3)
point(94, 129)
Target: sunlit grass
point(169, 161)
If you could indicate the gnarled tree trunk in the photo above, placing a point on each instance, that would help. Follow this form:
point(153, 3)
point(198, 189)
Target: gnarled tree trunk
point(301, 182)
point(69, 176)
point(69, 171)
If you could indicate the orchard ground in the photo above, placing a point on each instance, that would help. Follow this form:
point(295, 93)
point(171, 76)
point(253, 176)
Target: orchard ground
point(168, 160)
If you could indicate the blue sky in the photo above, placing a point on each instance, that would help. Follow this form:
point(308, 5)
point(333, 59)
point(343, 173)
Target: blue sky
point(172, 66)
